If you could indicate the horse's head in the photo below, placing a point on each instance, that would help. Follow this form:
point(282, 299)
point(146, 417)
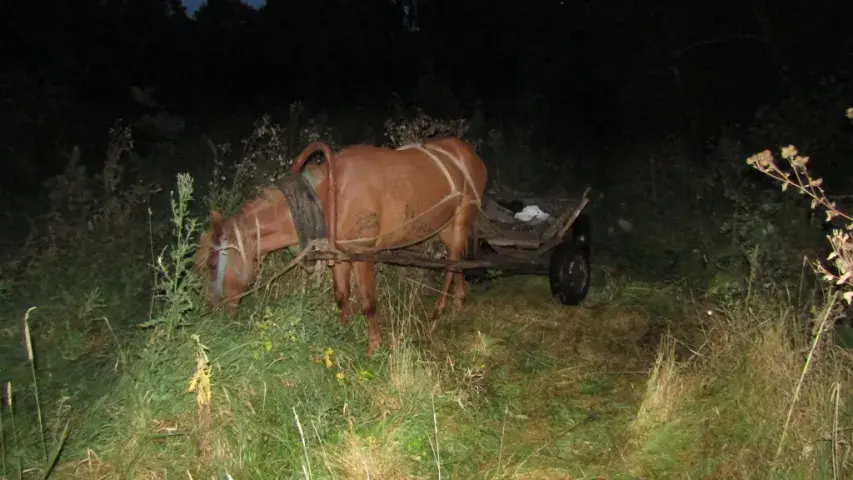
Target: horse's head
point(227, 259)
point(231, 249)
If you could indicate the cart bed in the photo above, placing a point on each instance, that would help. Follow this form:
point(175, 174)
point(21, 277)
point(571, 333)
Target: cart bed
point(498, 226)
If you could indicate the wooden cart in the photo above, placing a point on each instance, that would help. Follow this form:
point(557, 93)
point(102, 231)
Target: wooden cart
point(558, 247)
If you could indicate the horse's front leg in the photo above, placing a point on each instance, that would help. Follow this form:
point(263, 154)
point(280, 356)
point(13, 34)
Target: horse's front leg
point(365, 279)
point(340, 281)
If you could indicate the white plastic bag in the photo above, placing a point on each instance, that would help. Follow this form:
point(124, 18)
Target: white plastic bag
point(532, 214)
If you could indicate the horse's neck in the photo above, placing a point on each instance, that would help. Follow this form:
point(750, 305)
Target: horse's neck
point(265, 232)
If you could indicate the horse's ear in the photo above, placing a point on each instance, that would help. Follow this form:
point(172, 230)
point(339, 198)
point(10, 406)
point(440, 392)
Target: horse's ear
point(216, 231)
point(215, 226)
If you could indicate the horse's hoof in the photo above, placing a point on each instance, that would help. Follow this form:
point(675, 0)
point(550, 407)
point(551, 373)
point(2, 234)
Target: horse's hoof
point(372, 343)
point(437, 311)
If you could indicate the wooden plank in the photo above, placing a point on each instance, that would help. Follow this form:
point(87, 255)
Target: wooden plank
point(494, 212)
point(531, 243)
point(532, 265)
point(556, 239)
point(515, 238)
point(569, 214)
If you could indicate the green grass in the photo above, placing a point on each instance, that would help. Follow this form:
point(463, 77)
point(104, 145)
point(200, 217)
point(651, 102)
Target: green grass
point(647, 379)
point(513, 386)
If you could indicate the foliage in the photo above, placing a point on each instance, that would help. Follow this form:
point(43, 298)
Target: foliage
point(177, 283)
point(404, 131)
point(82, 204)
point(268, 153)
point(815, 121)
point(802, 181)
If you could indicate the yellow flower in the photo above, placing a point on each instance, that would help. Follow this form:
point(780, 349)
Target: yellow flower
point(328, 357)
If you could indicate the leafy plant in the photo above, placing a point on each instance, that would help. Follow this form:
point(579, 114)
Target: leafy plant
point(177, 283)
point(799, 178)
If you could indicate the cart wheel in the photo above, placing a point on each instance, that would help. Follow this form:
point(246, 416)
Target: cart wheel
point(568, 272)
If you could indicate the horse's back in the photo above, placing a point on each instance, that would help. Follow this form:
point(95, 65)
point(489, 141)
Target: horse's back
point(475, 166)
point(384, 161)
point(382, 190)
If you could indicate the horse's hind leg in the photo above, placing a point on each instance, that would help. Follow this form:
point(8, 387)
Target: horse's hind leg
point(365, 279)
point(441, 303)
point(340, 281)
point(455, 238)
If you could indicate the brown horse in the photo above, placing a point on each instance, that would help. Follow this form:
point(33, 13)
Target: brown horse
point(363, 198)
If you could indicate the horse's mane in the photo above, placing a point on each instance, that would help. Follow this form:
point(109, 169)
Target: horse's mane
point(202, 253)
point(204, 257)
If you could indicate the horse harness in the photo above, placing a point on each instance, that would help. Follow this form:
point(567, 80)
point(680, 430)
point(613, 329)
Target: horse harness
point(305, 207)
point(307, 214)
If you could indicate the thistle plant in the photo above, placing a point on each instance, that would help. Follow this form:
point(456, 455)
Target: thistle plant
point(801, 181)
point(841, 257)
point(176, 281)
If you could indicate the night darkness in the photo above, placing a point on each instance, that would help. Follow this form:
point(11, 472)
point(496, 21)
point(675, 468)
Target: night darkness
point(695, 255)
point(589, 69)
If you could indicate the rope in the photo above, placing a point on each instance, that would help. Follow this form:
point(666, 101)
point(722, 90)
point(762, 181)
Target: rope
point(312, 245)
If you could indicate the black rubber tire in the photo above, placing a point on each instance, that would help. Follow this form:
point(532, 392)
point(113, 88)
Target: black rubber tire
point(569, 272)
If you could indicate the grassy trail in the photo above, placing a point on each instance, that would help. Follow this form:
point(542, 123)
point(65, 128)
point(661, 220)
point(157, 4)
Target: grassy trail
point(555, 387)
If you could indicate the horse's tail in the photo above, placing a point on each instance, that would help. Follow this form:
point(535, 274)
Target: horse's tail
point(331, 190)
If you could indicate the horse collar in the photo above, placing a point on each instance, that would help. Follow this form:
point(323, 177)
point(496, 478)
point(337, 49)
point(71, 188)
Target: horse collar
point(306, 175)
point(305, 207)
